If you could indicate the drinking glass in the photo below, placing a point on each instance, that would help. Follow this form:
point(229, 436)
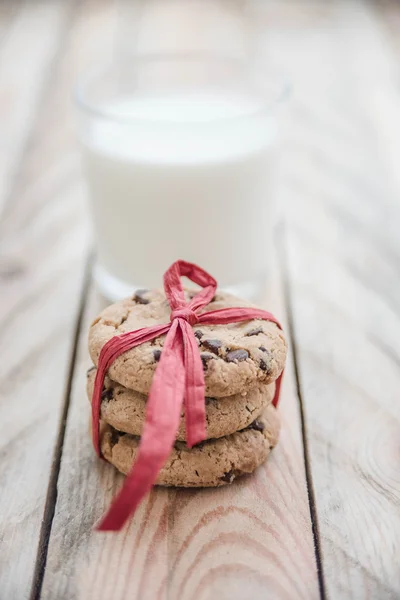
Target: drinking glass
point(180, 156)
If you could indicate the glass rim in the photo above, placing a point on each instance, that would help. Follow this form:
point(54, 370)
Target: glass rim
point(281, 82)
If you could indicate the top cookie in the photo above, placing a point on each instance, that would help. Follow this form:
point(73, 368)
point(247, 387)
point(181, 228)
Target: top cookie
point(235, 356)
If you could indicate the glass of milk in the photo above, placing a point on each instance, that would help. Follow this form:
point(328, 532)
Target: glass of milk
point(179, 154)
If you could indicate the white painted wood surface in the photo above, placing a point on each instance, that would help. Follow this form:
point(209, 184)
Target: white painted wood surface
point(44, 243)
point(38, 29)
point(342, 240)
point(250, 540)
point(338, 255)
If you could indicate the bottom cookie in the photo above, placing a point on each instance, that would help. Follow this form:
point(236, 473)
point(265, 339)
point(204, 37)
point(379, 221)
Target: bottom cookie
point(212, 463)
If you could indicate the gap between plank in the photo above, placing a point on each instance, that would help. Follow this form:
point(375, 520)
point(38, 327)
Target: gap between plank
point(52, 491)
point(284, 269)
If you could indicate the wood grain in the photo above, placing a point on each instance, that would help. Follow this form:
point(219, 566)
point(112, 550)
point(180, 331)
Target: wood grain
point(8, 11)
point(343, 248)
point(39, 27)
point(155, 26)
point(387, 14)
point(249, 540)
point(340, 251)
point(43, 248)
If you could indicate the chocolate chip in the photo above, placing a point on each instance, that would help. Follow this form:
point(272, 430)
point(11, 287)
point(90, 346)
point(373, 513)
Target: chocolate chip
point(237, 355)
point(139, 297)
point(262, 349)
point(208, 400)
point(212, 345)
point(205, 359)
point(106, 394)
point(115, 436)
point(90, 370)
point(254, 331)
point(199, 334)
point(229, 476)
point(157, 354)
point(257, 425)
point(265, 367)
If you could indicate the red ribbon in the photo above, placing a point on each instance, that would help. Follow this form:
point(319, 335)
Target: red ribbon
point(178, 377)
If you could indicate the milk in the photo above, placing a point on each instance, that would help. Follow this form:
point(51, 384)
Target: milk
point(180, 176)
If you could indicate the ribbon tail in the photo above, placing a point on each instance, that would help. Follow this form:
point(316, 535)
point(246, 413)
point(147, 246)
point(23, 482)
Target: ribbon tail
point(159, 432)
point(195, 411)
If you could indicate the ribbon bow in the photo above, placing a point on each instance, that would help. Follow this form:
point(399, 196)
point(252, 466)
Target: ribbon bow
point(178, 377)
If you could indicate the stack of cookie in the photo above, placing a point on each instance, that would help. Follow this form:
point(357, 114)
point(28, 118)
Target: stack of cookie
point(241, 362)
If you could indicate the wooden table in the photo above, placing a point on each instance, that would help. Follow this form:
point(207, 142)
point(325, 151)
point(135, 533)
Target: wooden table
point(322, 518)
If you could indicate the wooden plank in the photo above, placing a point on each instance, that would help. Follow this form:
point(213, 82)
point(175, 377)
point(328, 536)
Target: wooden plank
point(388, 13)
point(8, 11)
point(44, 242)
point(37, 26)
point(250, 540)
point(342, 241)
point(202, 26)
point(246, 541)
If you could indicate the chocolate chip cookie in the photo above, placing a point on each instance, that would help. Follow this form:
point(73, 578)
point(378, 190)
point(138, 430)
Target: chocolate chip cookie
point(235, 357)
point(125, 409)
point(212, 463)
